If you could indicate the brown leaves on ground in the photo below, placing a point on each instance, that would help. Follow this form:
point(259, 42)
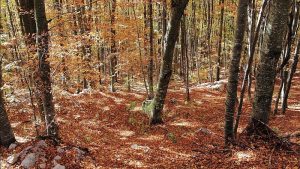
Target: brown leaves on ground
point(115, 131)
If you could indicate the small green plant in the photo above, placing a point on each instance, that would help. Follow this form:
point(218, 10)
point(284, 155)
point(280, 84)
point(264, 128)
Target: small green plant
point(88, 139)
point(131, 106)
point(276, 130)
point(172, 137)
point(132, 121)
point(147, 107)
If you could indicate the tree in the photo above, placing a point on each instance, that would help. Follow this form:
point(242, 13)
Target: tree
point(177, 10)
point(231, 96)
point(27, 21)
point(43, 70)
point(28, 27)
point(221, 2)
point(6, 133)
point(150, 60)
point(266, 70)
point(290, 78)
point(113, 48)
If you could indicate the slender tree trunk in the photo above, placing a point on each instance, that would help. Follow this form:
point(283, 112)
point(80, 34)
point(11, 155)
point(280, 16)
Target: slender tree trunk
point(209, 30)
point(177, 8)
point(28, 27)
point(150, 59)
point(42, 40)
point(292, 31)
point(290, 78)
point(164, 24)
point(25, 10)
point(221, 2)
point(231, 96)
point(251, 51)
point(113, 47)
point(266, 71)
point(184, 56)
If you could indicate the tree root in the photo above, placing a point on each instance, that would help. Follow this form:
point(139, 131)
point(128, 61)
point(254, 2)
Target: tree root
point(257, 130)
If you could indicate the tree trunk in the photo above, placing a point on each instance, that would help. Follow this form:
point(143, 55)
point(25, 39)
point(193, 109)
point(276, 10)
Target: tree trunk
point(252, 43)
point(164, 24)
point(221, 2)
point(184, 56)
point(231, 96)
point(42, 40)
point(289, 81)
point(150, 60)
point(6, 133)
point(266, 70)
point(178, 7)
point(25, 10)
point(113, 48)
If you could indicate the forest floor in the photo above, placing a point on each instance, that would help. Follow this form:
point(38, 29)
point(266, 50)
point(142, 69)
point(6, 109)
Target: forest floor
point(110, 130)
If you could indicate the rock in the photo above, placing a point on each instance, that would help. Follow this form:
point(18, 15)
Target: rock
point(43, 159)
point(12, 159)
point(12, 146)
point(60, 150)
point(126, 133)
point(135, 163)
point(22, 139)
point(41, 143)
point(54, 162)
point(42, 165)
point(205, 131)
point(57, 158)
point(25, 151)
point(138, 147)
point(29, 160)
point(58, 166)
point(244, 156)
point(80, 153)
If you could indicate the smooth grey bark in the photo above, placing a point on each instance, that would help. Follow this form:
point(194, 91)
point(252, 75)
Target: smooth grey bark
point(221, 2)
point(185, 57)
point(164, 23)
point(150, 60)
point(231, 96)
point(113, 48)
point(292, 32)
point(291, 36)
point(290, 78)
point(43, 72)
point(253, 41)
point(177, 10)
point(266, 69)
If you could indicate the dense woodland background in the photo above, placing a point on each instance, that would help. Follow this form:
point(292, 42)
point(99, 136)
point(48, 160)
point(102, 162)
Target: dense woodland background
point(149, 84)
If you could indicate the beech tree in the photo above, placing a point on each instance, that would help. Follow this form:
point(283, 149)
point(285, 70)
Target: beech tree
point(151, 53)
point(231, 96)
point(266, 70)
point(113, 48)
point(43, 70)
point(290, 78)
point(177, 10)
